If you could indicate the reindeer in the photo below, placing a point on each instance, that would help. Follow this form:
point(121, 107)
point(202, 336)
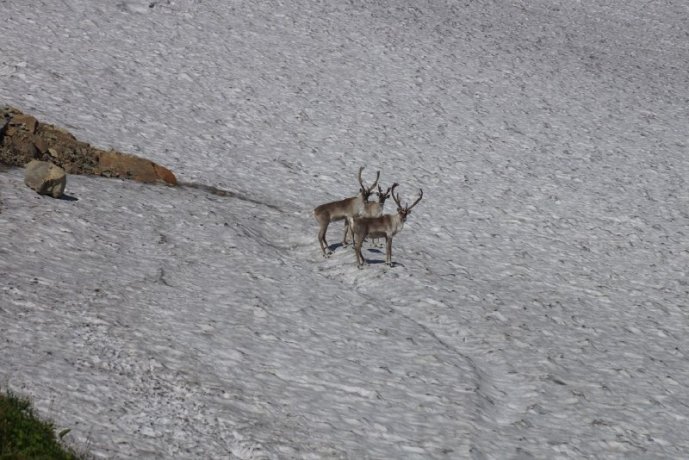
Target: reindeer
point(372, 209)
point(342, 209)
point(377, 227)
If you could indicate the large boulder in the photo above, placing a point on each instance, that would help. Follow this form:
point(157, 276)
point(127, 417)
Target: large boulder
point(45, 178)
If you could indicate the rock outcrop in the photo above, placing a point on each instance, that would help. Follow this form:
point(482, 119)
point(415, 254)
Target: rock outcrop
point(23, 139)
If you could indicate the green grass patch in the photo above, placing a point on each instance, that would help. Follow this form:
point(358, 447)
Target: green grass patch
point(24, 437)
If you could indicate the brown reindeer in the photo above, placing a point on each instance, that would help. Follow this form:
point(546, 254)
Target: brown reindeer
point(386, 226)
point(342, 209)
point(371, 209)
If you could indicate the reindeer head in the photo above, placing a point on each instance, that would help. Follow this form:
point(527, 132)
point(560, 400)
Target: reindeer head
point(382, 196)
point(367, 191)
point(405, 210)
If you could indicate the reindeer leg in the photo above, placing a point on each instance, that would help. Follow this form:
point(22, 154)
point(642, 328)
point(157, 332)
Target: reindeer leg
point(357, 251)
point(347, 230)
point(388, 251)
point(322, 241)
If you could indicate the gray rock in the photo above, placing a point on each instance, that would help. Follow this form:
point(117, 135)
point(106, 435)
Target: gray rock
point(45, 178)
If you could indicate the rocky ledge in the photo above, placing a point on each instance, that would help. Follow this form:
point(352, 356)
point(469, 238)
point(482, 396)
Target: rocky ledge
point(23, 139)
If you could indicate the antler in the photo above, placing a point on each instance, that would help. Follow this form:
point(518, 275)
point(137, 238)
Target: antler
point(395, 197)
point(361, 182)
point(375, 182)
point(417, 200)
point(387, 192)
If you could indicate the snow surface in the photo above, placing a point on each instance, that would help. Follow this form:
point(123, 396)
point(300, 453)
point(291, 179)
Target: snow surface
point(538, 307)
